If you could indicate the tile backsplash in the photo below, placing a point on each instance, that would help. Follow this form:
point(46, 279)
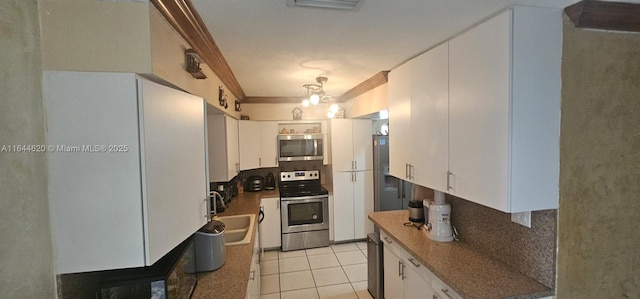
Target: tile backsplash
point(531, 251)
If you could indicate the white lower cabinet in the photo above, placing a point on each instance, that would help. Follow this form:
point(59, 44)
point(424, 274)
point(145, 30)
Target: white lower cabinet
point(443, 291)
point(406, 278)
point(417, 279)
point(352, 202)
point(393, 282)
point(253, 287)
point(270, 236)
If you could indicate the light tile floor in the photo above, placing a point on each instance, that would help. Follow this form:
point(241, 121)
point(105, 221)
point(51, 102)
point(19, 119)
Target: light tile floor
point(338, 271)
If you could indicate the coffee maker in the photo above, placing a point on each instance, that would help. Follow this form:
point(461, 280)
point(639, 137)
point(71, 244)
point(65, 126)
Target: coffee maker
point(439, 226)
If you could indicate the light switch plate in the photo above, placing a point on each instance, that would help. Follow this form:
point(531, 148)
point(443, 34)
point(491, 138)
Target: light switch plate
point(522, 218)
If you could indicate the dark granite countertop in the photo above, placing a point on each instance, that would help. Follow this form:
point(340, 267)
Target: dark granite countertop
point(230, 281)
point(467, 271)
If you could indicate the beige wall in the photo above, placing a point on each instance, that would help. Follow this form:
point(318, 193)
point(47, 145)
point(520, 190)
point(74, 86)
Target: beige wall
point(167, 56)
point(25, 246)
point(599, 214)
point(283, 111)
point(369, 102)
point(83, 35)
point(121, 36)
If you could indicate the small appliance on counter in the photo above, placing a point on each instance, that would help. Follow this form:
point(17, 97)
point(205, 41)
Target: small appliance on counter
point(218, 204)
point(210, 249)
point(223, 188)
point(270, 182)
point(439, 226)
point(171, 277)
point(416, 211)
point(255, 183)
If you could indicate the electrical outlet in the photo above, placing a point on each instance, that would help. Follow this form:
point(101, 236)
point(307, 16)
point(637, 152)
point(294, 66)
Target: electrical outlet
point(522, 218)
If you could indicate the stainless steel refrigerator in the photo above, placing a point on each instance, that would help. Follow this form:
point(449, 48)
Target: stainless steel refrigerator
point(390, 193)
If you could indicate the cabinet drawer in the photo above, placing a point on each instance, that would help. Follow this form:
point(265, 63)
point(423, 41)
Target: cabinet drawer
point(442, 290)
point(413, 263)
point(391, 244)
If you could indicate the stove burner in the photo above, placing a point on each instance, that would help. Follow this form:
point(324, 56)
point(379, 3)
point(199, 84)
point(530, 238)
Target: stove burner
point(301, 183)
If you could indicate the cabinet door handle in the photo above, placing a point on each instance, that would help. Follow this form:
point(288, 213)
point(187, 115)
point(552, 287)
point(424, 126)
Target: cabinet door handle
point(449, 173)
point(411, 171)
point(401, 270)
point(446, 292)
point(356, 165)
point(259, 161)
point(387, 239)
point(207, 213)
point(355, 177)
point(406, 170)
point(253, 275)
point(411, 260)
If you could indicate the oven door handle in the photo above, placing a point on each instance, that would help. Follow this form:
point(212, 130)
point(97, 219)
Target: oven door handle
point(294, 199)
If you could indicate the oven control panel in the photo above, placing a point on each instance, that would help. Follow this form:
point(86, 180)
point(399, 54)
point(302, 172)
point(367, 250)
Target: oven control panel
point(300, 175)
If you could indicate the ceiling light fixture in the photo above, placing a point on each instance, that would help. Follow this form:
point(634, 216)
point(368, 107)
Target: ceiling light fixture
point(315, 92)
point(335, 111)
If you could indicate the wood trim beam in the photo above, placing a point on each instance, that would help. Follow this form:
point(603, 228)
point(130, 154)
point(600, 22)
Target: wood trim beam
point(366, 85)
point(187, 22)
point(273, 100)
point(616, 16)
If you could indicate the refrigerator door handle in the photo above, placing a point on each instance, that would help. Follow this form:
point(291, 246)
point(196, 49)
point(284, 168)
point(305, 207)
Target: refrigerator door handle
point(404, 191)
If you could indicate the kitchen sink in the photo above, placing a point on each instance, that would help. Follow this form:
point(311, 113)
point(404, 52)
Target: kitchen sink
point(238, 228)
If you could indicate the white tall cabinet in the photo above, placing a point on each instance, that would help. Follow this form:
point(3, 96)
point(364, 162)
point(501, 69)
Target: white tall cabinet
point(484, 111)
point(127, 169)
point(352, 158)
point(224, 158)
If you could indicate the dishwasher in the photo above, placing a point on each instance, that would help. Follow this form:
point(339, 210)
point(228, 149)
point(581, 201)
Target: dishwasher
point(375, 274)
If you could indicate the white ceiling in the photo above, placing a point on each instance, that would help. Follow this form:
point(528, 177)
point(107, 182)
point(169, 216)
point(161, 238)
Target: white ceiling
point(274, 49)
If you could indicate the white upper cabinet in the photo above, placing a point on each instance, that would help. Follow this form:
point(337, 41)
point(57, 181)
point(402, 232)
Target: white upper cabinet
point(127, 169)
point(258, 145)
point(249, 144)
point(504, 110)
point(429, 146)
point(479, 116)
point(224, 163)
point(268, 144)
point(400, 139)
point(418, 120)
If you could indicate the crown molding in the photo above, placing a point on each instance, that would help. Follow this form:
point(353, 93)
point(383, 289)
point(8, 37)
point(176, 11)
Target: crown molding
point(366, 85)
point(187, 22)
point(606, 15)
point(272, 100)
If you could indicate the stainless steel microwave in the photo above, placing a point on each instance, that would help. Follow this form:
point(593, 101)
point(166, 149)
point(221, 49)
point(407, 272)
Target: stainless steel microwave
point(300, 147)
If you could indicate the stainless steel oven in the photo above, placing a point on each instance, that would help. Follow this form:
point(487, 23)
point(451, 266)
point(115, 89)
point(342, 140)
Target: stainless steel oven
point(304, 206)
